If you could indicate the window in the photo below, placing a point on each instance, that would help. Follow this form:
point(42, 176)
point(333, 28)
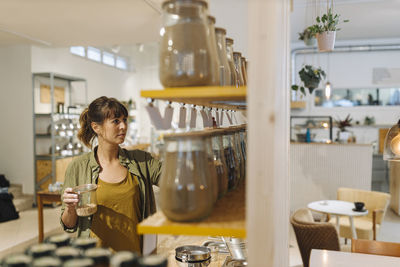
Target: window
point(78, 50)
point(101, 56)
point(94, 54)
point(122, 63)
point(108, 58)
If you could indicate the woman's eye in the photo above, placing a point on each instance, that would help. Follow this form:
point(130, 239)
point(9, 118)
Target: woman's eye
point(116, 121)
point(125, 119)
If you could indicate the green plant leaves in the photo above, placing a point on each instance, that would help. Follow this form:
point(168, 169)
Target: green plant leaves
point(310, 77)
point(327, 22)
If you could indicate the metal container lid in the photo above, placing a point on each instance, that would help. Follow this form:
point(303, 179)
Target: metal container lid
point(220, 30)
point(211, 19)
point(84, 188)
point(192, 254)
point(229, 40)
point(201, 2)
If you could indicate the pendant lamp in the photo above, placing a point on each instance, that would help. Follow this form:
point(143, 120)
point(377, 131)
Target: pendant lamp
point(391, 150)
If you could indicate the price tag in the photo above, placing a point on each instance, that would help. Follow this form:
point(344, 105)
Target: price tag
point(159, 122)
point(168, 112)
point(182, 117)
point(217, 117)
point(210, 118)
point(155, 117)
point(204, 117)
point(229, 116)
point(193, 117)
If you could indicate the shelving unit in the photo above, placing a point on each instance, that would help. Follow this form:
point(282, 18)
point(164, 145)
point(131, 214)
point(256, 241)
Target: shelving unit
point(227, 97)
point(227, 219)
point(228, 215)
point(49, 90)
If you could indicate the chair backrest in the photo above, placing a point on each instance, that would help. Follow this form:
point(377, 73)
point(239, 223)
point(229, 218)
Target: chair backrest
point(313, 235)
point(372, 199)
point(375, 247)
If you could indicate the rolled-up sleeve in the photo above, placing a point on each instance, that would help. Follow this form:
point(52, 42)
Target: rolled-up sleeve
point(70, 180)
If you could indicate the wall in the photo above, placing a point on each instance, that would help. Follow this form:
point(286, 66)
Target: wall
point(233, 16)
point(16, 145)
point(101, 79)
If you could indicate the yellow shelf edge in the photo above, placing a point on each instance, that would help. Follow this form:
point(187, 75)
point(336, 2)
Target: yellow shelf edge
point(196, 92)
point(191, 230)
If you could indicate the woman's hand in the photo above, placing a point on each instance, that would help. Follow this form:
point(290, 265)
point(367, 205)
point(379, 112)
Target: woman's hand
point(70, 200)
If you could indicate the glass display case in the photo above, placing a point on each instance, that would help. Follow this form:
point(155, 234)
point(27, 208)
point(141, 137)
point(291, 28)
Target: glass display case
point(311, 129)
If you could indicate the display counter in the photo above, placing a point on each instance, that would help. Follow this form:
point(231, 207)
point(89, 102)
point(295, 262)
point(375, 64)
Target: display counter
point(317, 170)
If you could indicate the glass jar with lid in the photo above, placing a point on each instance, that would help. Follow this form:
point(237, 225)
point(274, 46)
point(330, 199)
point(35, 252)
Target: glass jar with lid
point(229, 55)
point(214, 53)
point(219, 161)
point(186, 53)
point(231, 159)
point(237, 59)
point(186, 192)
point(224, 70)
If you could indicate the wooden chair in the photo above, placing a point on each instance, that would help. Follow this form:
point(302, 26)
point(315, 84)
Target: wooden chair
point(312, 235)
point(367, 226)
point(375, 247)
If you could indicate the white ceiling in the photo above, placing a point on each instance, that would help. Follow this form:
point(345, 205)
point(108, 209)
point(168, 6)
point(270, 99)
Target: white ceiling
point(369, 19)
point(79, 22)
point(124, 22)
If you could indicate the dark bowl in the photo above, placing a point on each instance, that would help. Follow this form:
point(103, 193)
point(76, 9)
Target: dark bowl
point(359, 205)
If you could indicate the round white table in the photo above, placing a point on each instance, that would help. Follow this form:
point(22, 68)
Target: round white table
point(338, 208)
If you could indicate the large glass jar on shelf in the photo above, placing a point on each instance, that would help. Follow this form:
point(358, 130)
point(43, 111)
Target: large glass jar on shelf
point(186, 192)
point(229, 55)
point(187, 57)
point(237, 59)
point(213, 172)
point(224, 70)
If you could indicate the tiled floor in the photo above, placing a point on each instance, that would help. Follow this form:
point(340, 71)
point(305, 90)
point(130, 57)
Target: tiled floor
point(17, 235)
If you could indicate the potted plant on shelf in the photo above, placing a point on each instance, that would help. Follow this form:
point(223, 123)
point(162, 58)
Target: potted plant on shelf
point(308, 36)
point(310, 77)
point(343, 135)
point(325, 30)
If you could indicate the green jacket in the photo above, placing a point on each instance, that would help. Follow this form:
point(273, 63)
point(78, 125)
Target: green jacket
point(85, 170)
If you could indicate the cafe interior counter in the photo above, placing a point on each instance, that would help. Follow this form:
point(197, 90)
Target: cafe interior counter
point(317, 170)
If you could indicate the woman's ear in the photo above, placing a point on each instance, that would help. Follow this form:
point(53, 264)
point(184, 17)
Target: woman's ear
point(96, 127)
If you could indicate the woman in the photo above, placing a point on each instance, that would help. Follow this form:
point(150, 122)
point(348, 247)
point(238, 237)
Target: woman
point(125, 178)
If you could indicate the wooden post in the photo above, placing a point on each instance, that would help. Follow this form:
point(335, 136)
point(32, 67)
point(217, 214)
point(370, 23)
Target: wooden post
point(268, 123)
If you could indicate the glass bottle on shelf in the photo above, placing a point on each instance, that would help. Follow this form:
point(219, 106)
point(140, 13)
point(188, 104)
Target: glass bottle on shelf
point(244, 71)
point(229, 55)
point(237, 60)
point(214, 52)
point(213, 171)
point(186, 54)
point(220, 161)
point(239, 152)
point(186, 192)
point(224, 70)
point(231, 159)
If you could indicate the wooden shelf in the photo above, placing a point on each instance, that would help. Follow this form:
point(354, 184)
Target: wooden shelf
point(227, 219)
point(298, 104)
point(227, 97)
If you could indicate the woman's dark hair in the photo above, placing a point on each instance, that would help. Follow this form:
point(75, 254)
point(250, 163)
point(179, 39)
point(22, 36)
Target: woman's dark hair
point(100, 109)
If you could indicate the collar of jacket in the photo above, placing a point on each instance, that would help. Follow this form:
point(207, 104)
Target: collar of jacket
point(124, 159)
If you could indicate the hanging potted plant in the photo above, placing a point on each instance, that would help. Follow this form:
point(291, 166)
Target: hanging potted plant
point(325, 30)
point(308, 36)
point(310, 77)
